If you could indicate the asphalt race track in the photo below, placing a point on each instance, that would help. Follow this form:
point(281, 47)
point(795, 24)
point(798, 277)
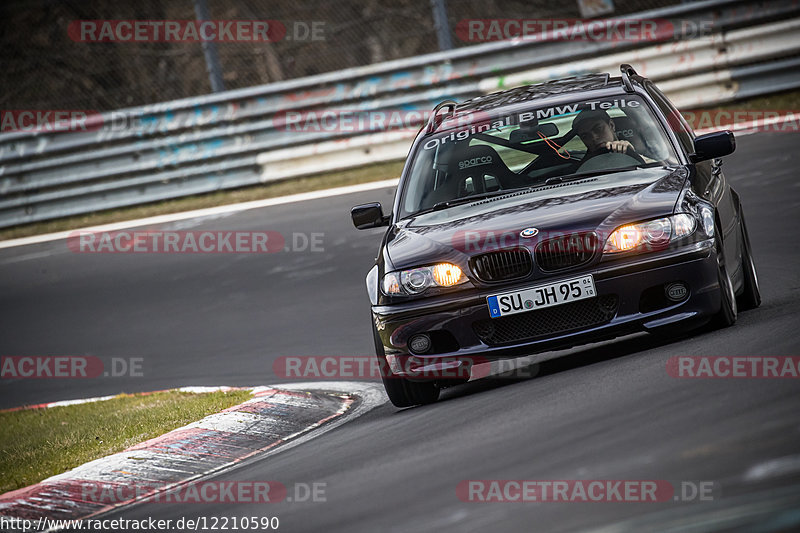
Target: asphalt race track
point(605, 411)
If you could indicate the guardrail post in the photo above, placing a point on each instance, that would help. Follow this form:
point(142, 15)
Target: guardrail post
point(442, 27)
point(210, 51)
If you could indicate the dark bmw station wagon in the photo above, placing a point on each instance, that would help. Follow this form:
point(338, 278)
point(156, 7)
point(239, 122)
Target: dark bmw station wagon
point(549, 216)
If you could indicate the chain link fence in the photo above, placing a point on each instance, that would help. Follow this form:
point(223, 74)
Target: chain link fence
point(47, 68)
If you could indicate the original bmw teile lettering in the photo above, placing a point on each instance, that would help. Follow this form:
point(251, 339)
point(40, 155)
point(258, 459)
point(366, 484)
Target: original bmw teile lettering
point(549, 216)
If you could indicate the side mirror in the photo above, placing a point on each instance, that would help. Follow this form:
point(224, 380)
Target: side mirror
point(367, 216)
point(712, 145)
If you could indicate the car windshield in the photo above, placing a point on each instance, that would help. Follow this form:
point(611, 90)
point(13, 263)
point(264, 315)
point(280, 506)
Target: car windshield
point(479, 155)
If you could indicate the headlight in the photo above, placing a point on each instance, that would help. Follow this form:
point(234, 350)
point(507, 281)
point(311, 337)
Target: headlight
point(418, 280)
point(708, 220)
point(653, 234)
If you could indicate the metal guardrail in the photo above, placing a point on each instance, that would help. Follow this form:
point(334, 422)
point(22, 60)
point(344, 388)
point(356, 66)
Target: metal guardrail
point(232, 139)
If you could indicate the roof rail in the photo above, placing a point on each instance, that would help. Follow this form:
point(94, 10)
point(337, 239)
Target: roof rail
point(431, 126)
point(627, 71)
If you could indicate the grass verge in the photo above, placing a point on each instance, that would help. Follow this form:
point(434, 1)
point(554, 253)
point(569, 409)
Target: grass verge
point(38, 443)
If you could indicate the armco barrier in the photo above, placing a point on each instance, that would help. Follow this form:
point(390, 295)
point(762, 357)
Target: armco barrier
point(230, 139)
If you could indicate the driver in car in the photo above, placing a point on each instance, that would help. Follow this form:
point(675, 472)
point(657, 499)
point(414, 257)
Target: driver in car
point(596, 129)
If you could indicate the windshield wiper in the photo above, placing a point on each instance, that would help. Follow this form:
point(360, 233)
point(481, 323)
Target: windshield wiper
point(470, 199)
point(572, 177)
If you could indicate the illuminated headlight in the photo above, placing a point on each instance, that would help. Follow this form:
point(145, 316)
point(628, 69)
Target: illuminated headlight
point(418, 280)
point(650, 235)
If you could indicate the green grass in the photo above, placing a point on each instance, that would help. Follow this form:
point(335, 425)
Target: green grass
point(327, 180)
point(38, 443)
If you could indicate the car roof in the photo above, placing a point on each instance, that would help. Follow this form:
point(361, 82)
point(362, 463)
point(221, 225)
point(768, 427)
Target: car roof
point(539, 91)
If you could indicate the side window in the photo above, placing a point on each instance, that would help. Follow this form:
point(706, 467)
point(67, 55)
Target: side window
point(675, 120)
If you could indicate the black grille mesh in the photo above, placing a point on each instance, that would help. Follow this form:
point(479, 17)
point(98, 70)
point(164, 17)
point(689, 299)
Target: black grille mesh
point(503, 265)
point(567, 251)
point(559, 319)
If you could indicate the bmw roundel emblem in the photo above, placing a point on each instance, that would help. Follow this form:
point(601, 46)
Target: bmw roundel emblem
point(529, 232)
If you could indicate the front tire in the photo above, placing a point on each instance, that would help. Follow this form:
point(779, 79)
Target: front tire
point(401, 391)
point(751, 294)
point(728, 309)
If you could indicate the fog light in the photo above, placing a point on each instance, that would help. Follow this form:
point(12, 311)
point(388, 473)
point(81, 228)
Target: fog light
point(676, 291)
point(419, 343)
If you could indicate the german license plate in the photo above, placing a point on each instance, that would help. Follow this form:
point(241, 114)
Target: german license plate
point(541, 296)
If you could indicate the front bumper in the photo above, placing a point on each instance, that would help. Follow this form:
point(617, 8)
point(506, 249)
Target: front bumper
point(460, 321)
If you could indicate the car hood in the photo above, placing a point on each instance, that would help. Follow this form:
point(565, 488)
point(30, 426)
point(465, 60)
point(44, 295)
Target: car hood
point(599, 203)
